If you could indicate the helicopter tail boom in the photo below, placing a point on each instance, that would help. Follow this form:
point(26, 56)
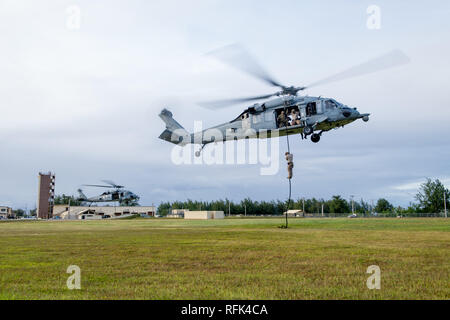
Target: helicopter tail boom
point(174, 132)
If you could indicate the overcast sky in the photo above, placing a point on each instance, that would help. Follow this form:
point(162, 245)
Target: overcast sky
point(84, 102)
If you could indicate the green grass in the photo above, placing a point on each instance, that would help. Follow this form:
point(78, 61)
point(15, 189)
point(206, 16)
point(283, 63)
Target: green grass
point(226, 259)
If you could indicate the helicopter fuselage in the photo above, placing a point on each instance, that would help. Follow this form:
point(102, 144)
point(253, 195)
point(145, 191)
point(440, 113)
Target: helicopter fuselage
point(111, 196)
point(264, 121)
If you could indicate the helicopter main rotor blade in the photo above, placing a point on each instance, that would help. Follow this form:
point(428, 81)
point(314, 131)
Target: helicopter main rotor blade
point(386, 61)
point(236, 56)
point(112, 184)
point(96, 185)
point(217, 104)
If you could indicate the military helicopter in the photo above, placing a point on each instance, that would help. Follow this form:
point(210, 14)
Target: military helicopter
point(311, 116)
point(124, 197)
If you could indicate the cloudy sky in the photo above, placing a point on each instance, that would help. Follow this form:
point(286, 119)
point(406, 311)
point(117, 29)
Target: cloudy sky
point(82, 99)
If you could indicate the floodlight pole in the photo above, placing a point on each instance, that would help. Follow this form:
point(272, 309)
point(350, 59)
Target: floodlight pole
point(445, 205)
point(353, 204)
point(303, 206)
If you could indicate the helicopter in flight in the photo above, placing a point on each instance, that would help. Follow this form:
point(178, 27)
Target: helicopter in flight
point(287, 114)
point(116, 194)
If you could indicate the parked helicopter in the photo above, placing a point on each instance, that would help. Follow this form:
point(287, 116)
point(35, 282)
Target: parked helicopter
point(124, 197)
point(305, 115)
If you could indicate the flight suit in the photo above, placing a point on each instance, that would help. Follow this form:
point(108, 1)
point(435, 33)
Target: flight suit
point(290, 164)
point(281, 120)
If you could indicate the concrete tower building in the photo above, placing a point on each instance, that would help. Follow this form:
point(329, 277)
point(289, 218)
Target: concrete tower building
point(46, 195)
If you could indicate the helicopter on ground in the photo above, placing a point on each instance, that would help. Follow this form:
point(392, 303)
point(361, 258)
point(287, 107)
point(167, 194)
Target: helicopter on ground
point(123, 197)
point(287, 114)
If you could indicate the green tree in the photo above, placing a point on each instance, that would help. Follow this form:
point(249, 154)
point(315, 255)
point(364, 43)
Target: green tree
point(431, 196)
point(338, 205)
point(63, 199)
point(19, 212)
point(383, 206)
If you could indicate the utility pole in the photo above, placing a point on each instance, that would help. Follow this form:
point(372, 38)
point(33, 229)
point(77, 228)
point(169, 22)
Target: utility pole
point(353, 204)
point(229, 208)
point(322, 209)
point(303, 200)
point(445, 205)
point(245, 209)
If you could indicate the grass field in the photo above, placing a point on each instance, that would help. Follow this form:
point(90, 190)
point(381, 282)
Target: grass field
point(226, 259)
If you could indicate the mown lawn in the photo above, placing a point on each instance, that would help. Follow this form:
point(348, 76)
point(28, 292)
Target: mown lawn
point(226, 259)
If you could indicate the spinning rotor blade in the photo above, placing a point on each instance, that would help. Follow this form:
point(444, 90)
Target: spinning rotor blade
point(112, 184)
point(236, 56)
point(386, 61)
point(96, 185)
point(217, 104)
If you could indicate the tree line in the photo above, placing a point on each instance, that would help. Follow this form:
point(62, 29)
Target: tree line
point(430, 199)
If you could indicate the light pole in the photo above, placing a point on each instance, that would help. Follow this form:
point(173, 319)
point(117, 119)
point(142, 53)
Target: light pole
point(353, 204)
point(303, 200)
point(445, 205)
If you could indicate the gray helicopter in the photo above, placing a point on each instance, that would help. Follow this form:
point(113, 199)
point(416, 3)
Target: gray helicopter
point(287, 114)
point(123, 197)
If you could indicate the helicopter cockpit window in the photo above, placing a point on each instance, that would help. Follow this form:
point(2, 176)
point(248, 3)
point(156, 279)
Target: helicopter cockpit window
point(330, 104)
point(257, 118)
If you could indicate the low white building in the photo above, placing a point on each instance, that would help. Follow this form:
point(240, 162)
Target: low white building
point(177, 213)
point(294, 213)
point(89, 213)
point(203, 215)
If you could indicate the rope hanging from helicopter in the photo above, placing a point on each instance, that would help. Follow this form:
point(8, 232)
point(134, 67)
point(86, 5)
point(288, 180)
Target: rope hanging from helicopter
point(290, 164)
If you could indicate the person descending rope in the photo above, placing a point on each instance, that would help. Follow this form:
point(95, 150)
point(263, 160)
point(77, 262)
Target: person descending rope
point(290, 164)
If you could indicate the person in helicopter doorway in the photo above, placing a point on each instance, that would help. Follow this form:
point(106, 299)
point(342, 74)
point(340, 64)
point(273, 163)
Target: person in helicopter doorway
point(292, 117)
point(281, 119)
point(290, 164)
point(297, 117)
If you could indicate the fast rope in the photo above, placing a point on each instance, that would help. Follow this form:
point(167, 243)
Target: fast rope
point(289, 198)
point(289, 178)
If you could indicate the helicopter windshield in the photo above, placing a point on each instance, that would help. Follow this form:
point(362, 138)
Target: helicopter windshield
point(330, 104)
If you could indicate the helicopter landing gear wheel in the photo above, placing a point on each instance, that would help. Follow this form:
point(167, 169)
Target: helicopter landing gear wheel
point(308, 130)
point(315, 137)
